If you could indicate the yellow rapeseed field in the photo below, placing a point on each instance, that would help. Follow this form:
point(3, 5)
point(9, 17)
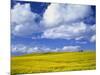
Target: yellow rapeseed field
point(53, 62)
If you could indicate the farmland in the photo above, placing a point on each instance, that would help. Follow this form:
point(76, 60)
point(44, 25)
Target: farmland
point(53, 62)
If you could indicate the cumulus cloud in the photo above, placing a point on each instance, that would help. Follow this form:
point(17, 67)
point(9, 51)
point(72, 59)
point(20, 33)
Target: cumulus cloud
point(66, 21)
point(71, 48)
point(18, 49)
point(24, 49)
point(57, 14)
point(93, 38)
point(23, 20)
point(75, 31)
point(62, 21)
point(93, 28)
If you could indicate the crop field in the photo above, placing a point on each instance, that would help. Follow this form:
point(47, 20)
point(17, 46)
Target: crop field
point(53, 62)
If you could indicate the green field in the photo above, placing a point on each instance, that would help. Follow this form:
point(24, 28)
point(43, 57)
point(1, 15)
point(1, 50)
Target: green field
point(53, 62)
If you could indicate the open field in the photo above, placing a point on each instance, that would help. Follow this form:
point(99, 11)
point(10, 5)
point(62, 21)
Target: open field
point(53, 62)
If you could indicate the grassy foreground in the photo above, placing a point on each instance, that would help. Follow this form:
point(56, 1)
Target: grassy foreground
point(53, 62)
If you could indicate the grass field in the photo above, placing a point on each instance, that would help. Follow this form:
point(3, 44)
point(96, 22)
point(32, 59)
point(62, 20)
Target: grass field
point(53, 62)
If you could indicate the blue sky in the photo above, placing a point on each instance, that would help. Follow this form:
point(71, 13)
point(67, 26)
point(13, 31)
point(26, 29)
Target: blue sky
point(52, 27)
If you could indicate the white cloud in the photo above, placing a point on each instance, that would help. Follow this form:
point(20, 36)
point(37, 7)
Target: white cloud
point(60, 21)
point(23, 20)
point(23, 49)
point(71, 48)
point(65, 21)
point(32, 50)
point(75, 31)
point(93, 28)
point(56, 14)
point(93, 38)
point(19, 48)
